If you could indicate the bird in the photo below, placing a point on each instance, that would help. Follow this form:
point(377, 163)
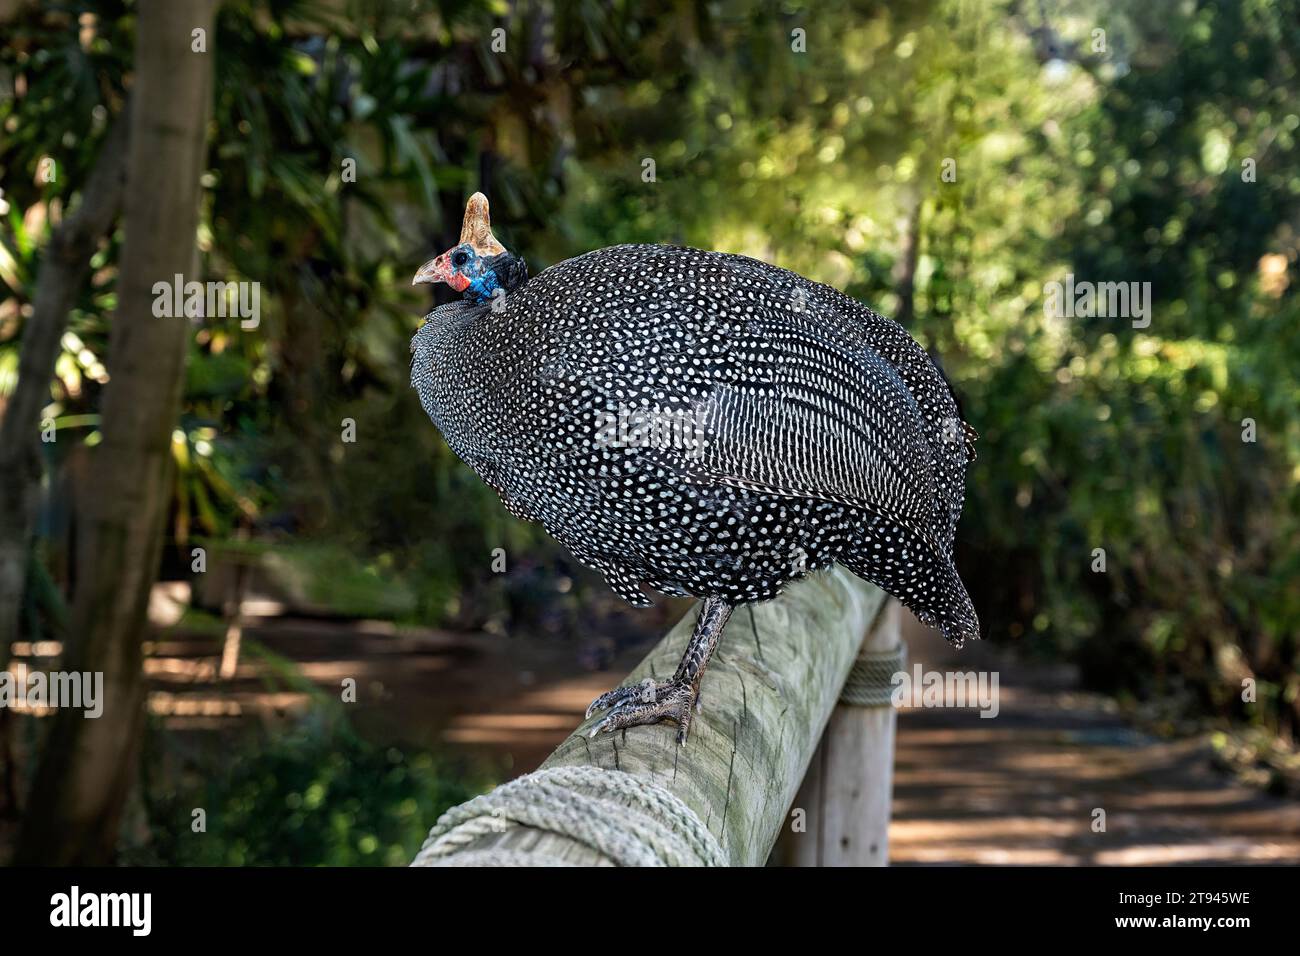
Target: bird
point(701, 424)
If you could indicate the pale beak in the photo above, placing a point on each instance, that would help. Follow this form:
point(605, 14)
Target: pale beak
point(435, 270)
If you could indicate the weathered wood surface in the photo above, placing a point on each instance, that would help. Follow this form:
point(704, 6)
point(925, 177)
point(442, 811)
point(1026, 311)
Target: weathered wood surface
point(846, 794)
point(767, 695)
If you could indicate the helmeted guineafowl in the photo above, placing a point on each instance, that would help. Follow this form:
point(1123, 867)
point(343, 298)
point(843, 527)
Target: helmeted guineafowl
point(701, 423)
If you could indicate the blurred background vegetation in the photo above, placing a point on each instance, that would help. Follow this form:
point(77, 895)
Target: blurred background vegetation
point(1161, 150)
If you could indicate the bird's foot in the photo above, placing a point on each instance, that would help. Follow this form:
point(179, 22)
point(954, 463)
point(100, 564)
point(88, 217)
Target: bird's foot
point(647, 703)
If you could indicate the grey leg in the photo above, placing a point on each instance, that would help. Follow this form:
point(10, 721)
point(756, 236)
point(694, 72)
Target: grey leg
point(650, 702)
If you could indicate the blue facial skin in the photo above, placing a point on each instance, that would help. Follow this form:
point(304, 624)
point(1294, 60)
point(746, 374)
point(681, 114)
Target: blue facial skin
point(482, 280)
point(481, 289)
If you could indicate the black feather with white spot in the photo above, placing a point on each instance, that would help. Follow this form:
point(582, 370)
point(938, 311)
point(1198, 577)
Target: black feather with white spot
point(827, 433)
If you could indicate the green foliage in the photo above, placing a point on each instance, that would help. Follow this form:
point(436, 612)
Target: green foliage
point(318, 796)
point(1103, 435)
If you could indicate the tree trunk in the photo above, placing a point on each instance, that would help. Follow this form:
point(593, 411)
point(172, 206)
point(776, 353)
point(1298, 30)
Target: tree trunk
point(905, 270)
point(62, 274)
point(87, 766)
point(63, 270)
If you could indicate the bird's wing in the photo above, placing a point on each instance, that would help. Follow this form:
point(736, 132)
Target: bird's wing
point(819, 312)
point(798, 389)
point(791, 410)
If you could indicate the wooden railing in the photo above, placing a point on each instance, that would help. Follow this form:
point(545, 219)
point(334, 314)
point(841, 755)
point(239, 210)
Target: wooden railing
point(774, 751)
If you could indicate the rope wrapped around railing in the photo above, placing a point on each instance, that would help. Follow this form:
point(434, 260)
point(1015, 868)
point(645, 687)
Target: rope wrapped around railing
point(627, 819)
point(871, 679)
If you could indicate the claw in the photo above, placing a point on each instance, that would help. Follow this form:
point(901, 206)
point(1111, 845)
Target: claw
point(604, 724)
point(646, 703)
point(621, 696)
point(610, 698)
point(607, 722)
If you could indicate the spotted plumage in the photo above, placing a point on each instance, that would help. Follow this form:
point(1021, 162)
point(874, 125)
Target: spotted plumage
point(706, 424)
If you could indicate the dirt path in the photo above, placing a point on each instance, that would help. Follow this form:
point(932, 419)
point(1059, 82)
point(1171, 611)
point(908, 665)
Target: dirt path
point(1022, 788)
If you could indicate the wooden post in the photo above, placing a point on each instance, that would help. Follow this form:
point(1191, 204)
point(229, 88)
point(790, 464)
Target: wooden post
point(846, 794)
point(234, 614)
point(766, 698)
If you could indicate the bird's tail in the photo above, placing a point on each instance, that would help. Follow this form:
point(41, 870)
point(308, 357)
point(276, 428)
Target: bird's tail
point(954, 616)
point(905, 564)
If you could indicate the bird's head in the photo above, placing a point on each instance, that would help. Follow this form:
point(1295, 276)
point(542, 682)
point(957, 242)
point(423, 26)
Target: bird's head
point(478, 265)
